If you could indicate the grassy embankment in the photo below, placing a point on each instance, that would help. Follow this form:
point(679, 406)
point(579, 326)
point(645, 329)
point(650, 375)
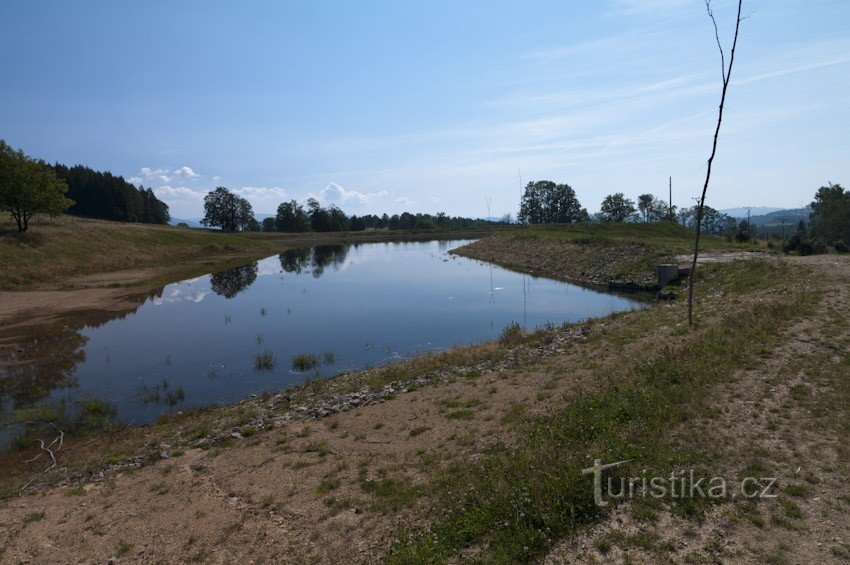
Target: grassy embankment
point(595, 253)
point(53, 251)
point(519, 499)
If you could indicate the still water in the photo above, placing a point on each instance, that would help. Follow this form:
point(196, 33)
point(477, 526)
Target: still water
point(194, 342)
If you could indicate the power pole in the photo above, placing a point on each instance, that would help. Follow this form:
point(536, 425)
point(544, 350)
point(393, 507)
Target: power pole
point(521, 220)
point(670, 211)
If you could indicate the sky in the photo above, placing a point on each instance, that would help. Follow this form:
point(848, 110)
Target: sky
point(384, 106)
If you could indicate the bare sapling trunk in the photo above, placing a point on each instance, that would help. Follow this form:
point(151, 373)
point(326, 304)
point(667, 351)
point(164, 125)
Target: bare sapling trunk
point(726, 74)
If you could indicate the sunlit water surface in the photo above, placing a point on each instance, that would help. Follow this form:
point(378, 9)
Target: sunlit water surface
point(354, 306)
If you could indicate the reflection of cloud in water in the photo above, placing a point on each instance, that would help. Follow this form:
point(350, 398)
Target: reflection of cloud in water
point(268, 266)
point(193, 290)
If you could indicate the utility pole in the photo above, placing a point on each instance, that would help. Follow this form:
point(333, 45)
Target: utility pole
point(696, 211)
point(670, 210)
point(521, 220)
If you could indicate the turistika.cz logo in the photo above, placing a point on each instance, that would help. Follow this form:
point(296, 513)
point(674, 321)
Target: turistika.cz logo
point(676, 485)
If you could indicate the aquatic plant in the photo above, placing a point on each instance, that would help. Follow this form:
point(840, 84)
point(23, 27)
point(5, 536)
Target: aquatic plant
point(162, 393)
point(305, 361)
point(264, 361)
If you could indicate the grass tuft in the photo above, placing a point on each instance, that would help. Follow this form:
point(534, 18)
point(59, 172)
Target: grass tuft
point(305, 362)
point(265, 361)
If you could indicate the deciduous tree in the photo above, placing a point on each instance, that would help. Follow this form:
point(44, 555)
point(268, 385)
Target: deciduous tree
point(29, 187)
point(228, 211)
point(545, 202)
point(616, 208)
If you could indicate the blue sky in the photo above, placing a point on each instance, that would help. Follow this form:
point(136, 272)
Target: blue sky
point(430, 106)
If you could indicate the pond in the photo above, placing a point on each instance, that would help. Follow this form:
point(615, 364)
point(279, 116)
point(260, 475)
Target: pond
point(222, 337)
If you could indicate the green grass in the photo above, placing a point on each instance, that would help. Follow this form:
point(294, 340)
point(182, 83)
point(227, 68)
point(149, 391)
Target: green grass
point(517, 500)
point(390, 494)
point(74, 418)
point(54, 250)
point(68, 246)
point(327, 486)
point(123, 548)
point(33, 517)
point(305, 362)
point(264, 361)
point(661, 235)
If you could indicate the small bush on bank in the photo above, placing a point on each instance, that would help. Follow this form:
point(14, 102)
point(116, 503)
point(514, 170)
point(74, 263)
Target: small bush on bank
point(512, 334)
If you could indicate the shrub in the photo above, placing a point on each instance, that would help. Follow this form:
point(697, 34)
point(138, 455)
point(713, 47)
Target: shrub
point(840, 247)
point(512, 334)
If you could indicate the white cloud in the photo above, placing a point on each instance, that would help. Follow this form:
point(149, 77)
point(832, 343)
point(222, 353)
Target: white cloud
point(186, 173)
point(163, 176)
point(135, 180)
point(178, 193)
point(263, 199)
point(158, 175)
point(404, 201)
point(261, 192)
point(147, 172)
point(335, 193)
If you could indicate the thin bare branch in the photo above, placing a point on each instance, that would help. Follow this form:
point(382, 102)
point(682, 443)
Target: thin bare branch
point(727, 75)
point(717, 38)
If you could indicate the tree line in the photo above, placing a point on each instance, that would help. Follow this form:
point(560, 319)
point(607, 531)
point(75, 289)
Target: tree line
point(546, 202)
point(105, 196)
point(31, 186)
point(230, 212)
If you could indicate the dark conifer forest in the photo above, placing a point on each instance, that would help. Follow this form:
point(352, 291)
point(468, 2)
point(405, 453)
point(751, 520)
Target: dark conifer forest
point(104, 196)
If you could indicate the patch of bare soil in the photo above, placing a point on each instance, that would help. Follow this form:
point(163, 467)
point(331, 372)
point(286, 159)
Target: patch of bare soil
point(785, 417)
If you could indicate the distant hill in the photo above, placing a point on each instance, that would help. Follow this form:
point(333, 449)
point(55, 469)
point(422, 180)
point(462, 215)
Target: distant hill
point(756, 211)
point(790, 216)
point(191, 222)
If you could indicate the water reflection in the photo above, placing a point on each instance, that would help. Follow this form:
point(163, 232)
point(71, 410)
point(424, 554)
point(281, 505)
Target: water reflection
point(42, 359)
point(231, 282)
point(360, 305)
point(313, 260)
